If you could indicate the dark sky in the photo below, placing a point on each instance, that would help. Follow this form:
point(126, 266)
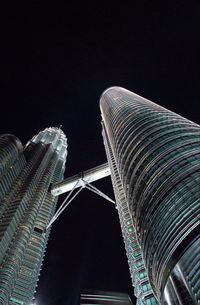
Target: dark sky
point(55, 61)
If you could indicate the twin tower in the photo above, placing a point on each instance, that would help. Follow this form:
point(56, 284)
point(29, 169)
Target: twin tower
point(154, 159)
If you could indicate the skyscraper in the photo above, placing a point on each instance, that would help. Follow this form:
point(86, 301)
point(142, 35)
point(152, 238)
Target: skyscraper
point(154, 156)
point(26, 208)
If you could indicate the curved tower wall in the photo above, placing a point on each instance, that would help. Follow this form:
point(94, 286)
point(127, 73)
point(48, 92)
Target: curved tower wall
point(11, 163)
point(28, 209)
point(10, 149)
point(139, 278)
point(157, 156)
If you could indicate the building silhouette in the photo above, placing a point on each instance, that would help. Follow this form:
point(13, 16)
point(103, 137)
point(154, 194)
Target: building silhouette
point(95, 297)
point(26, 208)
point(154, 157)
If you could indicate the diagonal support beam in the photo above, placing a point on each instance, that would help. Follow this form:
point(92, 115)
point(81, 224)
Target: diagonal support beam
point(63, 206)
point(98, 192)
point(79, 181)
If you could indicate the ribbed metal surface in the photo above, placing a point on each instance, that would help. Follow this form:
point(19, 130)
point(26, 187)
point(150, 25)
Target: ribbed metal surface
point(185, 277)
point(157, 153)
point(27, 208)
point(10, 149)
point(142, 289)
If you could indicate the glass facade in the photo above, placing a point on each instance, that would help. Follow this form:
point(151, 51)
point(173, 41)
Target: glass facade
point(155, 155)
point(26, 208)
point(140, 281)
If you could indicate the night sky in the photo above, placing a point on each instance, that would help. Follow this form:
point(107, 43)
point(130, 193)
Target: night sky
point(55, 62)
